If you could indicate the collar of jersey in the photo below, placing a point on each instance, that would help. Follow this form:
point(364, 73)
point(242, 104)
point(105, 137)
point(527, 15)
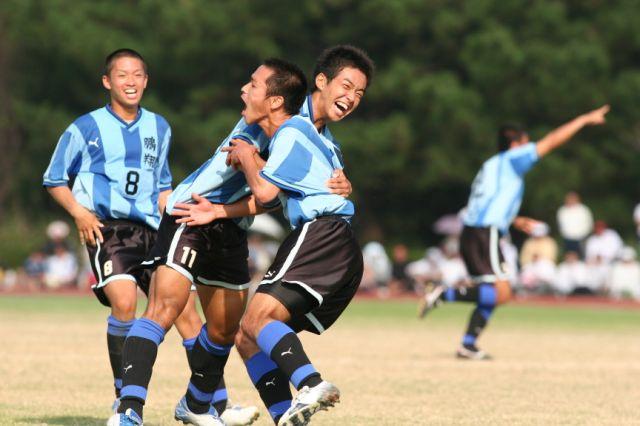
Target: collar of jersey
point(310, 113)
point(124, 123)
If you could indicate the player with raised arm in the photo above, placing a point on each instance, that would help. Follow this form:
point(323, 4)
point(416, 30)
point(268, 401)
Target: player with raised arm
point(338, 88)
point(214, 257)
point(117, 158)
point(496, 195)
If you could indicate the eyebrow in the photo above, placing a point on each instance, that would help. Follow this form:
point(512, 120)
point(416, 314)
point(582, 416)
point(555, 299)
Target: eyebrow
point(351, 83)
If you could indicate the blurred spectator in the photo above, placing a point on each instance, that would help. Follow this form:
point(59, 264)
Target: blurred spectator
point(538, 275)
point(510, 253)
point(624, 278)
point(636, 219)
point(377, 267)
point(452, 269)
point(539, 246)
point(597, 272)
point(572, 275)
point(575, 222)
point(57, 233)
point(35, 268)
point(427, 269)
point(62, 269)
point(400, 281)
point(604, 242)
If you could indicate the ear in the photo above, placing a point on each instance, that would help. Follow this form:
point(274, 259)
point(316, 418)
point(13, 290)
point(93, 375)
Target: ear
point(106, 82)
point(146, 80)
point(276, 102)
point(321, 81)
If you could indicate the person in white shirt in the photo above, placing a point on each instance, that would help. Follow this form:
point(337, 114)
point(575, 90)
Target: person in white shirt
point(575, 222)
point(624, 278)
point(604, 242)
point(571, 274)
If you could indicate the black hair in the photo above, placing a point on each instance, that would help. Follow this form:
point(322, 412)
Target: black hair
point(336, 58)
point(121, 53)
point(287, 81)
point(507, 134)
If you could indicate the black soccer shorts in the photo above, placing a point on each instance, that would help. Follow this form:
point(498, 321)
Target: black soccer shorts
point(215, 254)
point(480, 250)
point(316, 273)
point(125, 246)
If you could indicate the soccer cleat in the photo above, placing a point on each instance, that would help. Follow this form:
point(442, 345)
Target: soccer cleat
point(308, 401)
point(128, 418)
point(430, 300)
point(115, 406)
point(472, 353)
point(185, 415)
point(237, 415)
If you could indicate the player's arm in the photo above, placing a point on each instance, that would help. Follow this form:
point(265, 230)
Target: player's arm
point(564, 133)
point(87, 223)
point(204, 211)
point(527, 224)
point(162, 200)
point(243, 155)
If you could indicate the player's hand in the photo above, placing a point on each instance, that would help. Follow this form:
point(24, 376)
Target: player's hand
point(530, 226)
point(597, 116)
point(201, 213)
point(236, 150)
point(88, 226)
point(339, 184)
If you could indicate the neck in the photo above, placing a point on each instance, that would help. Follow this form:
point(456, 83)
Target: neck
point(127, 113)
point(317, 106)
point(271, 123)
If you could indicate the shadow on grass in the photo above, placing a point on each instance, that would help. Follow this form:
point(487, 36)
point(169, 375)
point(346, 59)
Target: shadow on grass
point(65, 420)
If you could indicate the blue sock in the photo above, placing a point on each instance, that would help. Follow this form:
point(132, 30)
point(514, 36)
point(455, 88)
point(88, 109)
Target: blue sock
point(116, 335)
point(220, 397)
point(272, 384)
point(283, 346)
point(487, 299)
point(207, 360)
point(139, 355)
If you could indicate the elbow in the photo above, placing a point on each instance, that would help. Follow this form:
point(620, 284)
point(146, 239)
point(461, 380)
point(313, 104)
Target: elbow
point(264, 198)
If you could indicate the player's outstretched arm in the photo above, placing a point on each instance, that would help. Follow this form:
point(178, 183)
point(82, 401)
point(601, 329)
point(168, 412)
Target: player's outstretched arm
point(564, 133)
point(339, 184)
point(527, 224)
point(204, 211)
point(87, 223)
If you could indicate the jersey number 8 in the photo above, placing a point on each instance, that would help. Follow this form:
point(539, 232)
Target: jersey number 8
point(133, 178)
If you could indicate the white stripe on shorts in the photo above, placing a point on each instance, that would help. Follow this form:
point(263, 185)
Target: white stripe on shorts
point(292, 254)
point(214, 283)
point(494, 254)
point(172, 251)
point(312, 318)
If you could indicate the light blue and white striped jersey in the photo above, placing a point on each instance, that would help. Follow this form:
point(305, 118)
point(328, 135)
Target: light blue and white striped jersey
point(119, 168)
point(300, 163)
point(217, 182)
point(497, 190)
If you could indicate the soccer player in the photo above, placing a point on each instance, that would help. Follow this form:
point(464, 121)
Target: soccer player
point(214, 257)
point(496, 195)
point(341, 75)
point(116, 157)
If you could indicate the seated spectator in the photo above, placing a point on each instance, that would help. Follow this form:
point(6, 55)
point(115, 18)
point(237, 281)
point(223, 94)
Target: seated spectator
point(427, 269)
point(62, 269)
point(539, 246)
point(377, 267)
point(538, 276)
point(35, 268)
point(400, 281)
point(604, 242)
point(575, 222)
point(624, 279)
point(572, 275)
point(598, 271)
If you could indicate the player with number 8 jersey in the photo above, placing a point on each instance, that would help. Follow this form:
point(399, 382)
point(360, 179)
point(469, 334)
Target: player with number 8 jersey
point(115, 158)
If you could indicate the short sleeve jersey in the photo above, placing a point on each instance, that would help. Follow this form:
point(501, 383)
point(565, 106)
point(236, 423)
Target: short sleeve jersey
point(118, 168)
point(301, 160)
point(498, 188)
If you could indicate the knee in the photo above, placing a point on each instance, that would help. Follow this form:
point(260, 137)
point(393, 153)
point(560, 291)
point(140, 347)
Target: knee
point(123, 308)
point(224, 335)
point(503, 292)
point(164, 312)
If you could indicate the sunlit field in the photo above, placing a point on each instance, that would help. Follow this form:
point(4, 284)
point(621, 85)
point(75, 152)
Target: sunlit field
point(552, 365)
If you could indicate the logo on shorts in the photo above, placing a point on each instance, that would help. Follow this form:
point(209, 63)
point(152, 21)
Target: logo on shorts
point(269, 274)
point(287, 352)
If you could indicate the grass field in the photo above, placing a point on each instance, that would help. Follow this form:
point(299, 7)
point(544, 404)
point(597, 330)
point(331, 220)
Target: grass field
point(553, 365)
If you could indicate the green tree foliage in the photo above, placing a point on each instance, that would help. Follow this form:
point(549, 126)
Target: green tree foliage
point(449, 72)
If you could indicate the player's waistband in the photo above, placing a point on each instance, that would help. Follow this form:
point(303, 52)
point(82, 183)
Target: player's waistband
point(126, 222)
point(335, 217)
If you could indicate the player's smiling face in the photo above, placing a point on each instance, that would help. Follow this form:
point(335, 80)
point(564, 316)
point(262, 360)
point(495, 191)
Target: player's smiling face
point(342, 94)
point(254, 95)
point(126, 81)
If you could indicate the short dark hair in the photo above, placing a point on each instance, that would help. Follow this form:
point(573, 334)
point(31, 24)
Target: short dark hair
point(334, 59)
point(122, 53)
point(509, 133)
point(287, 81)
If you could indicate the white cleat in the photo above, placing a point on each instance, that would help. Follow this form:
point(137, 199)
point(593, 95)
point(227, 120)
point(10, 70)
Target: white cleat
point(308, 401)
point(185, 415)
point(472, 353)
point(430, 300)
point(237, 415)
point(128, 418)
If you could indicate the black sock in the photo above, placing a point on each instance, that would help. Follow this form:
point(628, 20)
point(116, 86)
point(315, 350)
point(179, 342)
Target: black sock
point(272, 384)
point(188, 347)
point(220, 397)
point(285, 349)
point(138, 356)
point(478, 321)
point(116, 335)
point(208, 360)
point(462, 294)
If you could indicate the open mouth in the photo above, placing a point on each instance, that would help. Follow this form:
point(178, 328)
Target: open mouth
point(131, 93)
point(342, 106)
